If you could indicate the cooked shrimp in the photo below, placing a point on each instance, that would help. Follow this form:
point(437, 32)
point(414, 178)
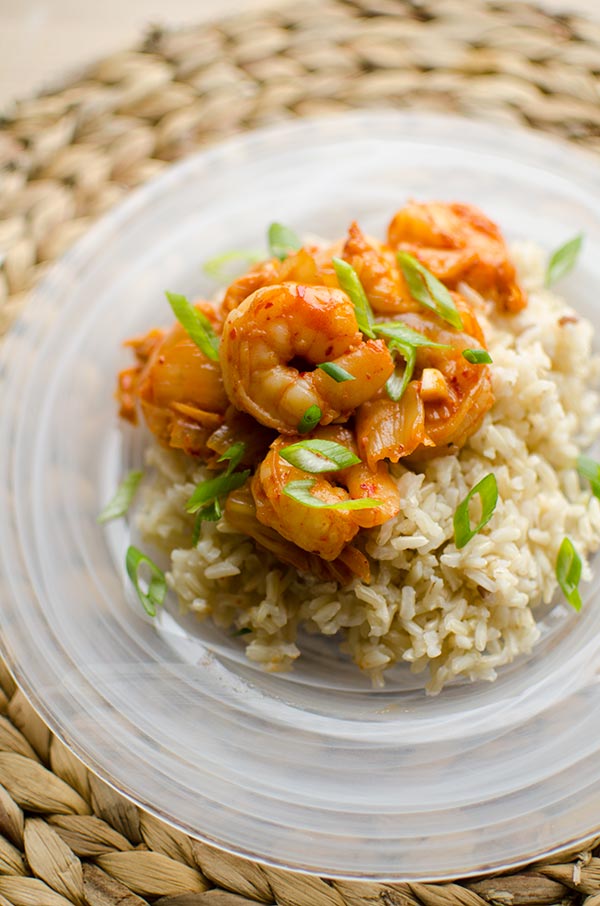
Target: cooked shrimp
point(265, 273)
point(325, 532)
point(274, 339)
point(321, 531)
point(310, 265)
point(361, 480)
point(240, 512)
point(179, 389)
point(457, 242)
point(379, 273)
point(453, 419)
point(429, 421)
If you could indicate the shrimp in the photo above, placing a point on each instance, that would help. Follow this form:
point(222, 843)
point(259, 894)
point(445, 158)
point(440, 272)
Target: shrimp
point(322, 531)
point(361, 480)
point(240, 513)
point(272, 342)
point(310, 265)
point(379, 273)
point(265, 273)
point(452, 418)
point(441, 408)
point(179, 389)
point(457, 242)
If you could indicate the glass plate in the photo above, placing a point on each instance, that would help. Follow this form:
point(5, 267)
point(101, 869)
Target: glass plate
point(313, 770)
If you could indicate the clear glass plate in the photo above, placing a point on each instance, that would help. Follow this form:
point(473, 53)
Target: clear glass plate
point(313, 770)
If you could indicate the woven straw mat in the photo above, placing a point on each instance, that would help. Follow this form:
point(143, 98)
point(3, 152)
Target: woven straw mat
point(69, 156)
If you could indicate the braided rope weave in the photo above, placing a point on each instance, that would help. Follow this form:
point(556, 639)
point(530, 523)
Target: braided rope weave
point(66, 158)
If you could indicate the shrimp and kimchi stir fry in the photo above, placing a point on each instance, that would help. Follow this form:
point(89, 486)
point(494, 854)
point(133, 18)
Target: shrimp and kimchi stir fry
point(320, 367)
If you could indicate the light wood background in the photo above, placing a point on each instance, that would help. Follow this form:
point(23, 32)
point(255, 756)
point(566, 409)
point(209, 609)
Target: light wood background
point(42, 41)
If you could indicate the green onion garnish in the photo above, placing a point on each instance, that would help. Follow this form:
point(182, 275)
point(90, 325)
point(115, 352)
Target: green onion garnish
point(487, 489)
point(208, 491)
point(563, 259)
point(349, 281)
point(245, 630)
point(319, 455)
point(300, 491)
point(156, 590)
point(217, 267)
point(205, 499)
point(398, 330)
point(212, 512)
point(282, 241)
point(336, 372)
point(404, 341)
point(309, 420)
point(477, 356)
point(428, 290)
point(568, 572)
point(196, 324)
point(121, 501)
point(233, 456)
point(590, 469)
point(396, 384)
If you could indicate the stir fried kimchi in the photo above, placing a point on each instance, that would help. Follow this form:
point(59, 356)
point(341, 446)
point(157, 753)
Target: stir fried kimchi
point(320, 367)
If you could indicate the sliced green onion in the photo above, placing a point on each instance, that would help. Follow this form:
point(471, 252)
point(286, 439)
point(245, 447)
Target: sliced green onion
point(121, 501)
point(205, 499)
point(336, 372)
point(398, 330)
point(477, 356)
point(396, 384)
point(487, 489)
point(349, 281)
point(216, 267)
point(210, 490)
point(245, 630)
point(309, 420)
point(300, 491)
point(212, 512)
point(315, 455)
point(282, 241)
point(568, 572)
point(428, 290)
point(563, 259)
point(154, 595)
point(196, 324)
point(233, 455)
point(590, 469)
point(405, 341)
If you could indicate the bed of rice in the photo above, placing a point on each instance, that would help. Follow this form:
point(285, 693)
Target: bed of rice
point(451, 612)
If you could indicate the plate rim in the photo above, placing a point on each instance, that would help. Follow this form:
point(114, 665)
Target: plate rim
point(75, 258)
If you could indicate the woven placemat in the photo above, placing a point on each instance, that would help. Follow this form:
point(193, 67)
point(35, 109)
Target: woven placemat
point(66, 158)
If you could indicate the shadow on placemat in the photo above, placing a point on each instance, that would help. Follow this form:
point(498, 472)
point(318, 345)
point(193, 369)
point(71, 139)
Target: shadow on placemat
point(68, 157)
